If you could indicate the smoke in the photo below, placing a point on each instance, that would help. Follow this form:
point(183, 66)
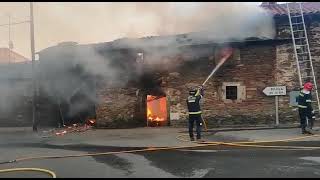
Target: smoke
point(72, 66)
point(218, 20)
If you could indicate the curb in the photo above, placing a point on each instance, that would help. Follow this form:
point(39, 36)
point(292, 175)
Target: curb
point(246, 129)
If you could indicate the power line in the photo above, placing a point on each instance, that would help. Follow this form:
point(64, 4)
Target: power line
point(15, 23)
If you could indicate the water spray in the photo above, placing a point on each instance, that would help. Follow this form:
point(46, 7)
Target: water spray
point(226, 54)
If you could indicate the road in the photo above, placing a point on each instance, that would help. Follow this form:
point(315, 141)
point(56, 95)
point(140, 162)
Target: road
point(214, 161)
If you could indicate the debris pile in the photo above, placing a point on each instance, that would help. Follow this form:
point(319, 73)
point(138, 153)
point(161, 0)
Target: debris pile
point(74, 128)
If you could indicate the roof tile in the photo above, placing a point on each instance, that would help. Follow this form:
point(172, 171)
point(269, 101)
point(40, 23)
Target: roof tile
point(281, 9)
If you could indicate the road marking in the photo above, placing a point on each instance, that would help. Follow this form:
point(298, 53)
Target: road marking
point(202, 150)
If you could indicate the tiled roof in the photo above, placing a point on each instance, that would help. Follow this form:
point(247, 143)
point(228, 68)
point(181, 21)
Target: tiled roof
point(14, 57)
point(281, 9)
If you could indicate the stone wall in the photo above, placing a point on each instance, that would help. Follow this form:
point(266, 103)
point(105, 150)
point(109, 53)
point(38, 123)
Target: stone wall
point(117, 108)
point(253, 70)
point(286, 62)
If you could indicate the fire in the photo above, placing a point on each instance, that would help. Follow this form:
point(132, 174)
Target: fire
point(156, 110)
point(91, 122)
point(153, 117)
point(149, 113)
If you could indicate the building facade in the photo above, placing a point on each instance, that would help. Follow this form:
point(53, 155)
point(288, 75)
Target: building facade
point(151, 80)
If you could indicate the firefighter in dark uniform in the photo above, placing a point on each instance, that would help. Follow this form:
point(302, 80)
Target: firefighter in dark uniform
point(193, 102)
point(305, 107)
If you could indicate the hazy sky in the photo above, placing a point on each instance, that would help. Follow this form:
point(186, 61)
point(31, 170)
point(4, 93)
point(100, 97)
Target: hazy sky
point(85, 22)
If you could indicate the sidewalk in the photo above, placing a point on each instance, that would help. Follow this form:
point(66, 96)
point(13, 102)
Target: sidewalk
point(145, 137)
point(164, 137)
point(269, 134)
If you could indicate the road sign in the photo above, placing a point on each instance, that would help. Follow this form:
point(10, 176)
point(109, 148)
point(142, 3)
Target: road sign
point(275, 91)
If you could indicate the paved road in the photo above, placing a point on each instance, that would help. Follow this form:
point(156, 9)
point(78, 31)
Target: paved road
point(196, 162)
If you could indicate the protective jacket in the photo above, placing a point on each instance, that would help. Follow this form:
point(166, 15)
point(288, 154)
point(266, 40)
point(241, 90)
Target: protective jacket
point(193, 102)
point(304, 100)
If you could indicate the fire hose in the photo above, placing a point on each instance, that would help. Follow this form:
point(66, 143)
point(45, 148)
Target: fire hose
point(198, 144)
point(52, 174)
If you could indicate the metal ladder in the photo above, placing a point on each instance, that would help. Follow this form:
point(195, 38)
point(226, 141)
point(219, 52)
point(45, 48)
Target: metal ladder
point(302, 50)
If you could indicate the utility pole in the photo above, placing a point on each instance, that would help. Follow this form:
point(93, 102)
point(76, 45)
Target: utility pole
point(9, 43)
point(34, 122)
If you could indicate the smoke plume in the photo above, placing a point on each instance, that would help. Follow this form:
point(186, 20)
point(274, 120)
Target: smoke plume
point(217, 22)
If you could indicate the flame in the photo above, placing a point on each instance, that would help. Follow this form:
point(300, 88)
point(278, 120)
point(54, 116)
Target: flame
point(159, 106)
point(152, 117)
point(149, 112)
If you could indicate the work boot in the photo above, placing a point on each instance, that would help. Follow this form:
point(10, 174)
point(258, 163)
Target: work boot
point(306, 132)
point(200, 140)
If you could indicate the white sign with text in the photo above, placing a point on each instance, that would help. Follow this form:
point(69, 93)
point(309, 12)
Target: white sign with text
point(275, 91)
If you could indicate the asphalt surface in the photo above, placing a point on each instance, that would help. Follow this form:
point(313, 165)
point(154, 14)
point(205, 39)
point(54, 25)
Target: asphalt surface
point(213, 161)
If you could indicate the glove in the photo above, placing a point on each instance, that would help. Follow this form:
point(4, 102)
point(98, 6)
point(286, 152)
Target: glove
point(201, 90)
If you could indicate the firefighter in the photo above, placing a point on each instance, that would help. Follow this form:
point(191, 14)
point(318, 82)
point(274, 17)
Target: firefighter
point(193, 102)
point(305, 107)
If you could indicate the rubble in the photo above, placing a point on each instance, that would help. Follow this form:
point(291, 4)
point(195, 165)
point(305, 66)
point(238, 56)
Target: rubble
point(74, 128)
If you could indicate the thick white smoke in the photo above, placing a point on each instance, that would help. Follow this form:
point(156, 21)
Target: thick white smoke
point(95, 22)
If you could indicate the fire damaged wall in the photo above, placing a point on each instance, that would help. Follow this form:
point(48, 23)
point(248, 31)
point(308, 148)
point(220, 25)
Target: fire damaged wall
point(252, 68)
point(172, 71)
point(117, 108)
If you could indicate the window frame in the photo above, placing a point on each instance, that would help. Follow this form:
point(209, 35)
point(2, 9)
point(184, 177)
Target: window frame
point(232, 92)
point(241, 92)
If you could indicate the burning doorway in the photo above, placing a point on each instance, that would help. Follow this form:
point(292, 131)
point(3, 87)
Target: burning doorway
point(157, 112)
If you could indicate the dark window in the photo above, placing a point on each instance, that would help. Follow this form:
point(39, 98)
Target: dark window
point(232, 92)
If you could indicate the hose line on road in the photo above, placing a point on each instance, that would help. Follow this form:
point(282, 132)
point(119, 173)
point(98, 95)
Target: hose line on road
point(179, 137)
point(254, 143)
point(197, 144)
point(52, 174)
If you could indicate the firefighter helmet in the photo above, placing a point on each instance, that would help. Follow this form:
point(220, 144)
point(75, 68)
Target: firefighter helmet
point(192, 92)
point(308, 86)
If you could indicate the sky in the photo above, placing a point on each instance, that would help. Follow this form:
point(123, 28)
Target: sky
point(86, 22)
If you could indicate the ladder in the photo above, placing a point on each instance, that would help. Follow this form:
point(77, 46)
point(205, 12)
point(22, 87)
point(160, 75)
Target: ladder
point(302, 50)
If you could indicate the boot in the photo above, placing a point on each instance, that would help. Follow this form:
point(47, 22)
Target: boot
point(304, 131)
point(191, 138)
point(200, 140)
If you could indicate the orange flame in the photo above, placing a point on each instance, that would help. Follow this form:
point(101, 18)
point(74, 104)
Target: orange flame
point(152, 117)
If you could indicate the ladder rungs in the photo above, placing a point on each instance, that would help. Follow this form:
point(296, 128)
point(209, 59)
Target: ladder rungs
point(298, 31)
point(296, 23)
point(295, 16)
point(304, 45)
point(300, 38)
point(304, 61)
point(305, 68)
point(302, 53)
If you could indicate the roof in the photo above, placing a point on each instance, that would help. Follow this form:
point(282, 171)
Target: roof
point(7, 56)
point(17, 71)
point(281, 9)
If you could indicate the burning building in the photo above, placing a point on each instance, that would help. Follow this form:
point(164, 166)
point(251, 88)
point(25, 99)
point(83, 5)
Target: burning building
point(145, 81)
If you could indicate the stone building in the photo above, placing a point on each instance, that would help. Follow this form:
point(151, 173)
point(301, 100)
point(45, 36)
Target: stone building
point(154, 75)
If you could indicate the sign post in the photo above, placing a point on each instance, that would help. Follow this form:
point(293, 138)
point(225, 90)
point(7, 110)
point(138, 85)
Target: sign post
point(277, 110)
point(276, 91)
